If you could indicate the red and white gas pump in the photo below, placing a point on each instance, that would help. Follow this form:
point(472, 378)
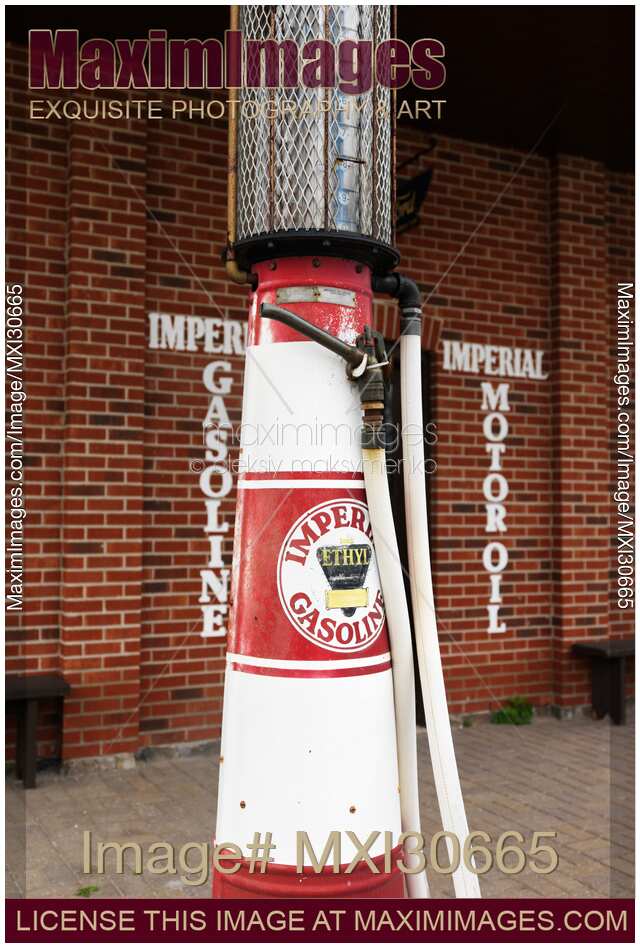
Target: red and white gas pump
point(318, 731)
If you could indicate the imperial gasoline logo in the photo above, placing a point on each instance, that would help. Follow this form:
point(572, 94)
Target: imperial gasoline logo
point(328, 579)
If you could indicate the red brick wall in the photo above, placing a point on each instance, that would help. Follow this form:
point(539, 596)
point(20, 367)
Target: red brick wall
point(482, 255)
point(181, 674)
point(36, 222)
point(110, 221)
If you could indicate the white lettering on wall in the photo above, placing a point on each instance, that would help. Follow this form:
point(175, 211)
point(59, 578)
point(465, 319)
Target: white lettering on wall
point(510, 362)
point(224, 337)
point(495, 488)
point(210, 334)
point(215, 483)
point(486, 359)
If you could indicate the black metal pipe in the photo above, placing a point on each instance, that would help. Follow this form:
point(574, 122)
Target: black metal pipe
point(407, 292)
point(350, 354)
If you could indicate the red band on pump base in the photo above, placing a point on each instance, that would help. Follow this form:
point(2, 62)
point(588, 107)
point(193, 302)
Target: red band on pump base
point(284, 882)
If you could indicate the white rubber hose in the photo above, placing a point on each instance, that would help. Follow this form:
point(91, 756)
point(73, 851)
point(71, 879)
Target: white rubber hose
point(397, 612)
point(443, 757)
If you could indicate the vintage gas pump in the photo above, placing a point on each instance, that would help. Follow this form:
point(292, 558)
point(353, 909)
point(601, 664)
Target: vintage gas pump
point(318, 734)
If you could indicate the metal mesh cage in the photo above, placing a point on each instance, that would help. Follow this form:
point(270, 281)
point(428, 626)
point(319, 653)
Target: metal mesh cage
point(314, 159)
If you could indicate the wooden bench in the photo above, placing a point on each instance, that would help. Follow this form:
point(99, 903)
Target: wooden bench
point(26, 691)
point(607, 674)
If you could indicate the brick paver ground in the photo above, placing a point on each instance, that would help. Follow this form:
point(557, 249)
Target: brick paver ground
point(573, 777)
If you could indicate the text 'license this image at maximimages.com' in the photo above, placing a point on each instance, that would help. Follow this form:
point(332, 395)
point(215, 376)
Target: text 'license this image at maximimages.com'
point(319, 474)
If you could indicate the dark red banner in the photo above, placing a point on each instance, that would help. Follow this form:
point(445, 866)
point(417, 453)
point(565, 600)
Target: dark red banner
point(338, 920)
